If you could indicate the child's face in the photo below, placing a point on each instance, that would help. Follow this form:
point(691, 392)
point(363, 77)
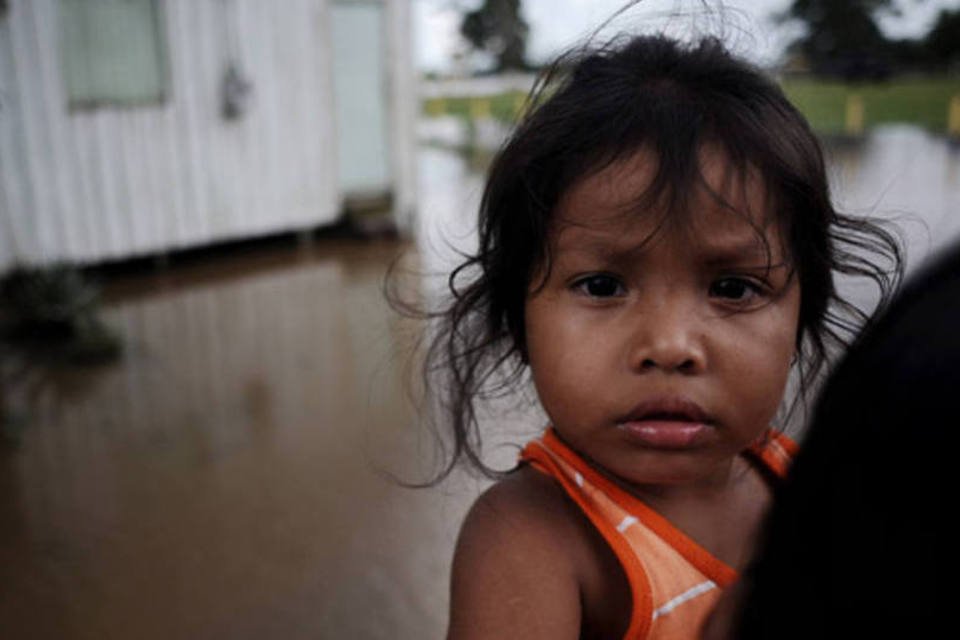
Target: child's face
point(661, 361)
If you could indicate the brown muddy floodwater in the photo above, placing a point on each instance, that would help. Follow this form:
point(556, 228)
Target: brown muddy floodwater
point(228, 478)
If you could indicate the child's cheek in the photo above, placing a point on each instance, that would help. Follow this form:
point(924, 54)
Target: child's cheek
point(768, 344)
point(563, 352)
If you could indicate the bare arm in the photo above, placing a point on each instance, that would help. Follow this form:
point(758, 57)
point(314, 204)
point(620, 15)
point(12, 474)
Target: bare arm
point(512, 573)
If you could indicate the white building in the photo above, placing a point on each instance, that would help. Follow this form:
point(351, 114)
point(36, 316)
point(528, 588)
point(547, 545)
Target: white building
point(139, 127)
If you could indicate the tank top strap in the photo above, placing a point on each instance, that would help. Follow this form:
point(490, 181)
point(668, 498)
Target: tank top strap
point(674, 581)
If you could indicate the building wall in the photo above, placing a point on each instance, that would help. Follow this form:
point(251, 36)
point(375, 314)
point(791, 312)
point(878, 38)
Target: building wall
point(89, 185)
point(404, 106)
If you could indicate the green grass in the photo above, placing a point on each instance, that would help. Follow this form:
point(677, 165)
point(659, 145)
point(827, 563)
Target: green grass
point(504, 106)
point(923, 101)
point(920, 101)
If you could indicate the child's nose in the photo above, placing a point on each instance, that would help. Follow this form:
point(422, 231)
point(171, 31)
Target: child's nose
point(669, 338)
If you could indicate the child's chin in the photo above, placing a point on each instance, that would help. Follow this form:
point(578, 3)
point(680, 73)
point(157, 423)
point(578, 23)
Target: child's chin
point(682, 468)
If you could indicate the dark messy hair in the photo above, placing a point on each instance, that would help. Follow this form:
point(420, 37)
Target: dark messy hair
point(596, 106)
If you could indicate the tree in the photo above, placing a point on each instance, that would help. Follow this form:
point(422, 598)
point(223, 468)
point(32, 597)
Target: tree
point(943, 41)
point(843, 38)
point(497, 27)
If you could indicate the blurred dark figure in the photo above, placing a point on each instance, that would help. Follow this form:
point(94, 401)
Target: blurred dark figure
point(858, 542)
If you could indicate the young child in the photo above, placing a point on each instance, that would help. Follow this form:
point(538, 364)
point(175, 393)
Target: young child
point(657, 248)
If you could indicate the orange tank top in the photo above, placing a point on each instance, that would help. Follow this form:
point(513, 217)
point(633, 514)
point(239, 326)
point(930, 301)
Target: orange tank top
point(675, 582)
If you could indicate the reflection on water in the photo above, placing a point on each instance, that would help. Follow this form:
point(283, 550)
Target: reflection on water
point(229, 478)
point(904, 174)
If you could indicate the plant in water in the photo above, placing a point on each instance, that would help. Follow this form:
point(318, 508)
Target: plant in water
point(49, 321)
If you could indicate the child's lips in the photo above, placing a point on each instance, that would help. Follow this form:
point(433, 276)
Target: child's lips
point(666, 434)
point(667, 423)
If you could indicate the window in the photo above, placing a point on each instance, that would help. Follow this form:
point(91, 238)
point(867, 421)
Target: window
point(112, 52)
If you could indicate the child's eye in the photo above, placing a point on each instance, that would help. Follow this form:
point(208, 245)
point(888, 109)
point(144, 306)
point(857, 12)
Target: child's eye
point(735, 289)
point(600, 286)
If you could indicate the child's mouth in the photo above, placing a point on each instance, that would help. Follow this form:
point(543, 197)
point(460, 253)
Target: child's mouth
point(667, 423)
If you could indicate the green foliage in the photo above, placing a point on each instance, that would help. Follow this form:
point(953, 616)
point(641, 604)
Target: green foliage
point(842, 38)
point(497, 27)
point(50, 314)
point(943, 41)
point(49, 322)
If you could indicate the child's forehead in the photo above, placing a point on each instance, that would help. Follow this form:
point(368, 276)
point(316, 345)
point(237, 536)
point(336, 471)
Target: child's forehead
point(723, 205)
point(625, 182)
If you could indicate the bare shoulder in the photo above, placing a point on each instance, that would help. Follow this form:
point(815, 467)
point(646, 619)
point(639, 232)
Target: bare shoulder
point(528, 503)
point(515, 568)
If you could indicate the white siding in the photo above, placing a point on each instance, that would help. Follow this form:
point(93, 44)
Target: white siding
point(403, 108)
point(115, 182)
